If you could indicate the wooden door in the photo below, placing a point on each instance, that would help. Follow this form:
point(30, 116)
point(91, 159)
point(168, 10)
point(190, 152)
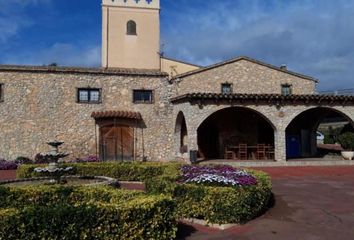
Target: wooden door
point(117, 143)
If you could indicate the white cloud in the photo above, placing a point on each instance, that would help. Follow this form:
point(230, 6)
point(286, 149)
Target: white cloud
point(313, 37)
point(13, 17)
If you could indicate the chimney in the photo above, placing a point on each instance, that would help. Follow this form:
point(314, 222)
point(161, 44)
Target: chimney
point(283, 67)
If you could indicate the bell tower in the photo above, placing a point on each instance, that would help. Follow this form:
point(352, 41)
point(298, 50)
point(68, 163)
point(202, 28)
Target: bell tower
point(131, 34)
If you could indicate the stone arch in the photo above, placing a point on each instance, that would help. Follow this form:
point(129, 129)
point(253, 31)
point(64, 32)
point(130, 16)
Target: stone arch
point(258, 110)
point(181, 135)
point(301, 130)
point(231, 126)
point(340, 110)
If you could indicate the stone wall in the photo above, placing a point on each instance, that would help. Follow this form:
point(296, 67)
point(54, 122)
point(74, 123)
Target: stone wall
point(39, 107)
point(245, 77)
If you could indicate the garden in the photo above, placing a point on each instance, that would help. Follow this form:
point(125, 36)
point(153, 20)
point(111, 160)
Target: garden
point(173, 191)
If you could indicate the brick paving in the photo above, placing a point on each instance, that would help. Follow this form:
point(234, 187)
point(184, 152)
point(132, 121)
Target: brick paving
point(7, 175)
point(311, 203)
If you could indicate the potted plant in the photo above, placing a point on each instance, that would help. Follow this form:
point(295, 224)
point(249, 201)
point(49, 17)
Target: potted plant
point(346, 140)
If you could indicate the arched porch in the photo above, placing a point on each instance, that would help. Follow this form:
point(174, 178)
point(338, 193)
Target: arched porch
point(226, 133)
point(313, 133)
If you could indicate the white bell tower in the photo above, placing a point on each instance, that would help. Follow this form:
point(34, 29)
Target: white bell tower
point(131, 34)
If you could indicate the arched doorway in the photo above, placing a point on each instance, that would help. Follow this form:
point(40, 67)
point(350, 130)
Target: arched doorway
point(230, 127)
point(181, 134)
point(313, 133)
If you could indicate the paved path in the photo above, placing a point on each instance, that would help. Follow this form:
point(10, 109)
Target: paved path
point(311, 203)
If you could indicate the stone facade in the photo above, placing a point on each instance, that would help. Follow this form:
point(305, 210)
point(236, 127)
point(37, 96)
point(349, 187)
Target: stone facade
point(41, 106)
point(246, 76)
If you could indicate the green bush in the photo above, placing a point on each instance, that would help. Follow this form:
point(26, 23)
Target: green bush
point(347, 141)
point(215, 204)
point(128, 171)
point(42, 195)
point(328, 139)
point(46, 212)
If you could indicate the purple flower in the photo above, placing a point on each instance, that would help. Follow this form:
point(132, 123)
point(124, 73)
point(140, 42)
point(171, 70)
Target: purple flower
point(7, 165)
point(219, 175)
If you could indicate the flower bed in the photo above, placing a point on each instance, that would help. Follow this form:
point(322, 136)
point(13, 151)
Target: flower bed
point(216, 176)
point(218, 194)
point(7, 165)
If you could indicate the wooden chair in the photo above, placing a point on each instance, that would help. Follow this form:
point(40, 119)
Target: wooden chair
point(229, 154)
point(270, 153)
point(242, 152)
point(261, 152)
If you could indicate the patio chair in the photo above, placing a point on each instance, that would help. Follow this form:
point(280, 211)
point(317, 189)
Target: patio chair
point(270, 153)
point(242, 152)
point(261, 152)
point(229, 154)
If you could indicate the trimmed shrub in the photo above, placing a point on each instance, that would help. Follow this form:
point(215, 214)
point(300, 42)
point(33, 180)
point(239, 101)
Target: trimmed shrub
point(42, 195)
point(46, 212)
point(87, 159)
point(128, 171)
point(215, 204)
point(346, 140)
point(23, 160)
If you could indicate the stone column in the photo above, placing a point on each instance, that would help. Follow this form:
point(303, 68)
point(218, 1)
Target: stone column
point(192, 141)
point(280, 145)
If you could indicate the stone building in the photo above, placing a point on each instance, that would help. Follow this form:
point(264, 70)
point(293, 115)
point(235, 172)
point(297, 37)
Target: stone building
point(142, 106)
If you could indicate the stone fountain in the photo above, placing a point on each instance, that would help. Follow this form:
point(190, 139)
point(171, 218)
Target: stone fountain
point(53, 169)
point(57, 174)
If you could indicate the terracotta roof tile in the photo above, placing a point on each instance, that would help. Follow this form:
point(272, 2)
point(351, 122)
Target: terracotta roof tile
point(116, 114)
point(316, 99)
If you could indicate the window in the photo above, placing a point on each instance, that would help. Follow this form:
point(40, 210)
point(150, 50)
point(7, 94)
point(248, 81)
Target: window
point(143, 96)
point(89, 95)
point(1, 92)
point(131, 28)
point(286, 89)
point(226, 88)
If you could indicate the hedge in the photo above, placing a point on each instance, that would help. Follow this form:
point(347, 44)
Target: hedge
point(42, 195)
point(215, 204)
point(127, 171)
point(47, 212)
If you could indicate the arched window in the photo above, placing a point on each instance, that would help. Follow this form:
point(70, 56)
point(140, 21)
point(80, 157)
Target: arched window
point(131, 28)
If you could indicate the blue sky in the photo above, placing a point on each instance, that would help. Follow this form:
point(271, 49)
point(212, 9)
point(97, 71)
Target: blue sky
point(313, 37)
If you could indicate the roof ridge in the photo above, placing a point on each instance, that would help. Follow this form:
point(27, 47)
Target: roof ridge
point(181, 61)
point(84, 70)
point(236, 59)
